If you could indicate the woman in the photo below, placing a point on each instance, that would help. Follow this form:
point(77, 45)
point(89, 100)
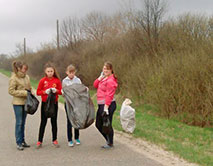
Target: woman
point(106, 85)
point(19, 83)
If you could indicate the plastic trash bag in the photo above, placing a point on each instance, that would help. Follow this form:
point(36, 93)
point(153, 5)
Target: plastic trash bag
point(107, 126)
point(31, 104)
point(50, 105)
point(127, 116)
point(80, 108)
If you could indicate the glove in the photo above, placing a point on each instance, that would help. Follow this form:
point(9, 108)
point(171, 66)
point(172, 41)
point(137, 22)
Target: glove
point(54, 90)
point(101, 76)
point(47, 91)
point(106, 110)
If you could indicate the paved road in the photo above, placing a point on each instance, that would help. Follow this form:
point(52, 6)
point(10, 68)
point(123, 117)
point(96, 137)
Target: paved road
point(88, 153)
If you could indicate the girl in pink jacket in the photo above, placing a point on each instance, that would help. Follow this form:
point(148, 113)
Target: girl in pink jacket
point(106, 85)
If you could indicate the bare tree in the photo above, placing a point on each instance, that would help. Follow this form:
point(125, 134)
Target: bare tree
point(196, 26)
point(20, 50)
point(94, 26)
point(70, 32)
point(150, 18)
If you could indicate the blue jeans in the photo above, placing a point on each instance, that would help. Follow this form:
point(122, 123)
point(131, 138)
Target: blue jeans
point(69, 128)
point(20, 115)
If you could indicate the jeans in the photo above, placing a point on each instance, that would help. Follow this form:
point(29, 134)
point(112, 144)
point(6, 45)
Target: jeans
point(99, 121)
point(20, 115)
point(44, 122)
point(69, 128)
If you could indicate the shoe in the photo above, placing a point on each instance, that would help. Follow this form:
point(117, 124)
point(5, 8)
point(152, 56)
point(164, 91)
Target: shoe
point(107, 146)
point(78, 142)
point(20, 147)
point(25, 145)
point(55, 143)
point(70, 144)
point(38, 145)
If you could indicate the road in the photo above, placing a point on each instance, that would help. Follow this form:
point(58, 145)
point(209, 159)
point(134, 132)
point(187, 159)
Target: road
point(89, 153)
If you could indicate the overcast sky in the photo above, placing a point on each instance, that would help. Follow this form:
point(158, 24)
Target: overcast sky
point(36, 20)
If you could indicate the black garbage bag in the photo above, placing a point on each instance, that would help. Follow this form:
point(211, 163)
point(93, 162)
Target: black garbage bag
point(80, 108)
point(107, 126)
point(50, 105)
point(31, 104)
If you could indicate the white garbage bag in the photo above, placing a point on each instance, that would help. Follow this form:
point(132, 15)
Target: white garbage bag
point(127, 116)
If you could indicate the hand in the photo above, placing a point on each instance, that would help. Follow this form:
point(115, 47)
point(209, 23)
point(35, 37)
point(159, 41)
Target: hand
point(54, 90)
point(47, 91)
point(62, 92)
point(106, 111)
point(101, 76)
point(32, 91)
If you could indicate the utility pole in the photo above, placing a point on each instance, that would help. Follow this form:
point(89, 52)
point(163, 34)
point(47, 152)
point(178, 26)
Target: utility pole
point(24, 47)
point(57, 26)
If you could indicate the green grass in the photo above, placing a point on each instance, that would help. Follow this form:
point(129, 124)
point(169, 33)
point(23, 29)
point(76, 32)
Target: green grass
point(7, 73)
point(194, 144)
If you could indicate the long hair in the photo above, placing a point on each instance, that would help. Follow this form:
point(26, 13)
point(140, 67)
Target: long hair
point(50, 65)
point(16, 65)
point(110, 67)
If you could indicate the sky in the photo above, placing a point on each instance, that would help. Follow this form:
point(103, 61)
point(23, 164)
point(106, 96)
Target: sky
point(36, 20)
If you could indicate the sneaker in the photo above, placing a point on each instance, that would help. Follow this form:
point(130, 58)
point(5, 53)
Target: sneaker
point(20, 147)
point(78, 142)
point(25, 145)
point(70, 144)
point(55, 143)
point(38, 145)
point(107, 146)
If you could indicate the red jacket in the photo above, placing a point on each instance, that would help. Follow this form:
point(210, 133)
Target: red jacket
point(106, 89)
point(46, 83)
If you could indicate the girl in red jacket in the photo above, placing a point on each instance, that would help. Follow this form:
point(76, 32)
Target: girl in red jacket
point(50, 82)
point(106, 85)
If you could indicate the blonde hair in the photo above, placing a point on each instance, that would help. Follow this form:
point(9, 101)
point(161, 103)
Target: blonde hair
point(71, 68)
point(18, 65)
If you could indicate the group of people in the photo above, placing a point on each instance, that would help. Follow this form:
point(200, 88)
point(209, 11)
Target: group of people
point(19, 84)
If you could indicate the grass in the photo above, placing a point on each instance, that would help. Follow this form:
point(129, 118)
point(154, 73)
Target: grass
point(7, 73)
point(193, 144)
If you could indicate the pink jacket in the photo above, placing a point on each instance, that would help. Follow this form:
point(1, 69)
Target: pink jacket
point(106, 89)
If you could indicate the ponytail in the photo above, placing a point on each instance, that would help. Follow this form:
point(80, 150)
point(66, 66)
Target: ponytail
point(109, 66)
point(16, 65)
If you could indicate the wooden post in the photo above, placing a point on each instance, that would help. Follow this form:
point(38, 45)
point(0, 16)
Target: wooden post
point(57, 26)
point(24, 47)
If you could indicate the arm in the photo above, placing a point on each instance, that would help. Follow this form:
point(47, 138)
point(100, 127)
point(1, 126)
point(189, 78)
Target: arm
point(96, 83)
point(40, 90)
point(59, 87)
point(30, 83)
point(110, 91)
point(13, 91)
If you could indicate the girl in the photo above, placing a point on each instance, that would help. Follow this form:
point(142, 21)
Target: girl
point(69, 80)
point(19, 83)
point(50, 82)
point(106, 85)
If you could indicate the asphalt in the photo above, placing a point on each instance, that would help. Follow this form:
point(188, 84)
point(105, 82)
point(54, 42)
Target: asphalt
point(89, 153)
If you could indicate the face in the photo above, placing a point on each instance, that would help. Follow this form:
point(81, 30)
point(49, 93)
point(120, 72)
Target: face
point(107, 72)
point(70, 74)
point(49, 72)
point(23, 69)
